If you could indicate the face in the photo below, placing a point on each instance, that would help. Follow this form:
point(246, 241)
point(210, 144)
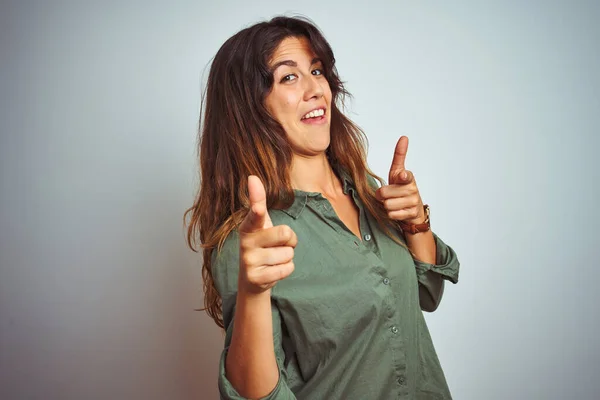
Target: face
point(300, 99)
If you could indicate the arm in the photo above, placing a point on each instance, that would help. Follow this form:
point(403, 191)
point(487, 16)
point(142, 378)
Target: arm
point(434, 260)
point(432, 271)
point(252, 363)
point(431, 285)
point(422, 246)
point(252, 261)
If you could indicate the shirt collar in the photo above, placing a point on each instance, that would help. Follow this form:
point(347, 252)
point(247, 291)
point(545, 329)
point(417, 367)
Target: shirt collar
point(301, 197)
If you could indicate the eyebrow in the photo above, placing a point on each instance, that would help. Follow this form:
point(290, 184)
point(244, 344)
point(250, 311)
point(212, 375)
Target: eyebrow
point(291, 63)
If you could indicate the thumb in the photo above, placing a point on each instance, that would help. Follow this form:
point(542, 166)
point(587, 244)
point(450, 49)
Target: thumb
point(258, 217)
point(397, 169)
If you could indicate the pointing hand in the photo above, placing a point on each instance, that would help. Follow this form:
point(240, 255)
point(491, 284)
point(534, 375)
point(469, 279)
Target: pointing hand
point(266, 251)
point(401, 197)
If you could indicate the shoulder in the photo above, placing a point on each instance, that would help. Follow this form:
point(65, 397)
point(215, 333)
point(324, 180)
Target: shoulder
point(225, 265)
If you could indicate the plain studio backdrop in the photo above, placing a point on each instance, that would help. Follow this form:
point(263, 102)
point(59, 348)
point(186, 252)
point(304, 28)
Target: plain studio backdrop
point(98, 115)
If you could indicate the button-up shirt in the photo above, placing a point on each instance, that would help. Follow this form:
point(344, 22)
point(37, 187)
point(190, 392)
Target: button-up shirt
point(347, 323)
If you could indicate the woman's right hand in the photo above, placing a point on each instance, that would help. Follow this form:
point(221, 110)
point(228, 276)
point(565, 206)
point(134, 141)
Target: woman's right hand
point(266, 252)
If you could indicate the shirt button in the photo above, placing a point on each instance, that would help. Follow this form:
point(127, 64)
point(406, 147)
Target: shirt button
point(394, 330)
point(367, 237)
point(386, 281)
point(402, 380)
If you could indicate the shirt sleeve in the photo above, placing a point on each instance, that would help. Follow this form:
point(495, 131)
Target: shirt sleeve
point(446, 267)
point(225, 274)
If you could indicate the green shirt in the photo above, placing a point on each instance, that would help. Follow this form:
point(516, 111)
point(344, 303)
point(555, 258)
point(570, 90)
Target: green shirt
point(347, 323)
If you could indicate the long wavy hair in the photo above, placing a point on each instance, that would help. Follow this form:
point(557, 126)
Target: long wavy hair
point(238, 137)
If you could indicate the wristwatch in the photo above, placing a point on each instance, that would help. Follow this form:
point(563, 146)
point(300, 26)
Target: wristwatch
point(416, 228)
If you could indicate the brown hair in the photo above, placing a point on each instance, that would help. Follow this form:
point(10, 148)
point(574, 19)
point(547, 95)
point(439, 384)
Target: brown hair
point(239, 137)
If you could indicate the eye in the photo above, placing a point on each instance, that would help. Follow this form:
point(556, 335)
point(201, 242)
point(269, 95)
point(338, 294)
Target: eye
point(317, 71)
point(288, 78)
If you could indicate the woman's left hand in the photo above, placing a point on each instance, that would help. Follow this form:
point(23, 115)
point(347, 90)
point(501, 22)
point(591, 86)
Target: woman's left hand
point(401, 197)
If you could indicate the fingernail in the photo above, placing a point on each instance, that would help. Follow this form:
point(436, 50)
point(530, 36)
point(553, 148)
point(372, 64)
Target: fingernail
point(404, 175)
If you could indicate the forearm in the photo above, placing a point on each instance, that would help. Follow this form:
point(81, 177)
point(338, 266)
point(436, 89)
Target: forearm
point(422, 246)
point(251, 366)
point(432, 272)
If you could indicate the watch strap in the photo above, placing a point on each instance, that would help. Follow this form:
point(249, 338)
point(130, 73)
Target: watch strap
point(417, 228)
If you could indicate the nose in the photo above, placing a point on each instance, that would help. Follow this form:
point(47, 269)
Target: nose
point(313, 88)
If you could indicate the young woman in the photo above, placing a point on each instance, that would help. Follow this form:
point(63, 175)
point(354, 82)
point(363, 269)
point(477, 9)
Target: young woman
point(318, 273)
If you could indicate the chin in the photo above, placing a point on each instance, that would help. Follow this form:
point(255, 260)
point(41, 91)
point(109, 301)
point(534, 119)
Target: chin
point(320, 147)
point(312, 149)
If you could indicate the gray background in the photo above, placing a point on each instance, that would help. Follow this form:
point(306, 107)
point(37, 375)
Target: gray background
point(98, 116)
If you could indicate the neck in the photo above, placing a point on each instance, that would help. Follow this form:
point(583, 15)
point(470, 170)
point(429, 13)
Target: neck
point(315, 174)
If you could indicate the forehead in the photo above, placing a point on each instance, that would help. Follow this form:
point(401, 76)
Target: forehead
point(293, 48)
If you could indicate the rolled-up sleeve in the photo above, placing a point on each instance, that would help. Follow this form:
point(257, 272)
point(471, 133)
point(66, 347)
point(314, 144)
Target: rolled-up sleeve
point(431, 277)
point(225, 271)
point(281, 390)
point(447, 264)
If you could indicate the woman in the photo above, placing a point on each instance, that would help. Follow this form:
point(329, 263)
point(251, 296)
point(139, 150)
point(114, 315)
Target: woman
point(318, 275)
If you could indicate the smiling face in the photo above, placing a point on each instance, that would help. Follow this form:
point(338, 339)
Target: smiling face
point(300, 99)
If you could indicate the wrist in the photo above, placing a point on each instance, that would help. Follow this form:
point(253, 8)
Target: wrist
point(417, 225)
point(252, 293)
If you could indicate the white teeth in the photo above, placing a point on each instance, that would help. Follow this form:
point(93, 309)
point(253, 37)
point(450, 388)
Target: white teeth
point(315, 113)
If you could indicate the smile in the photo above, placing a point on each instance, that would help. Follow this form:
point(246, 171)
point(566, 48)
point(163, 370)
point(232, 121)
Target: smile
point(317, 113)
